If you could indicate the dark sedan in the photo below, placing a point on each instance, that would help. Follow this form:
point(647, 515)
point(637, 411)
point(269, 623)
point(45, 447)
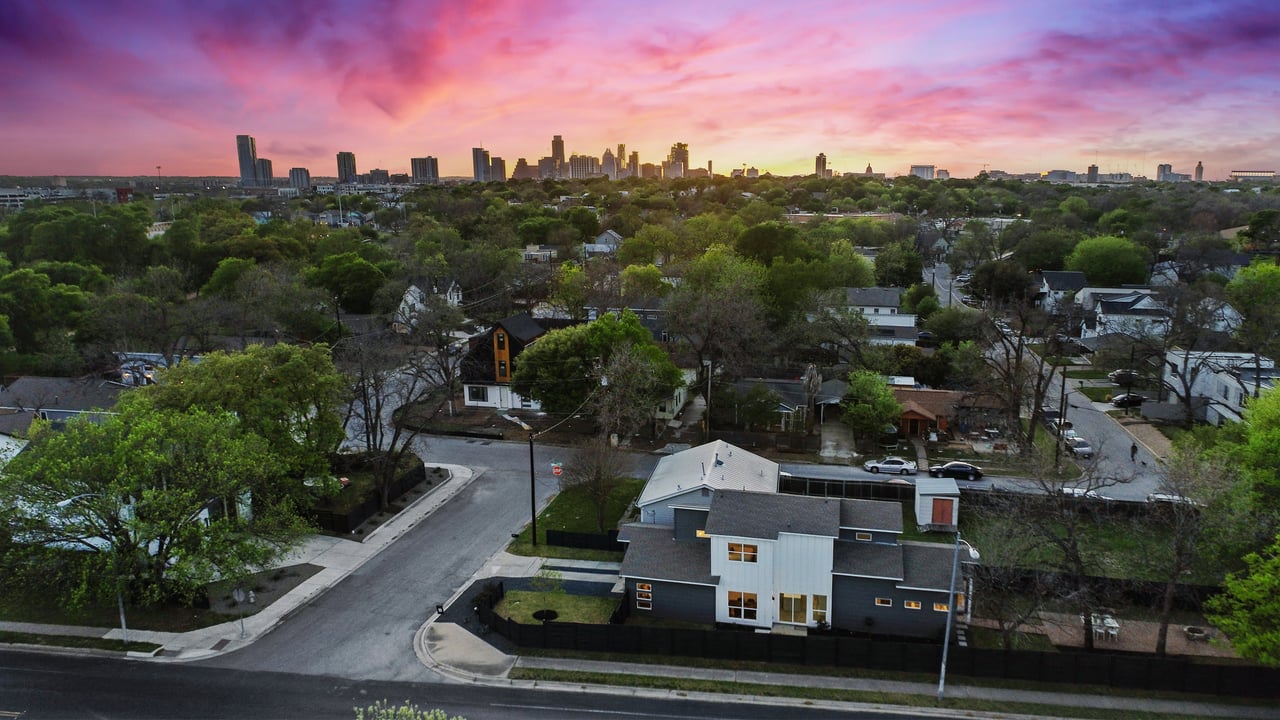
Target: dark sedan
point(958, 470)
point(1125, 400)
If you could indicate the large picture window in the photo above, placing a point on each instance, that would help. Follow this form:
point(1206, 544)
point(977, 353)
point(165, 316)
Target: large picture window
point(478, 393)
point(742, 552)
point(742, 605)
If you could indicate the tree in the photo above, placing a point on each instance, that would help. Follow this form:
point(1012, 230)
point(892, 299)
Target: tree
point(1263, 234)
point(1253, 292)
point(1248, 609)
point(562, 370)
point(898, 265)
point(37, 308)
point(766, 242)
point(351, 279)
point(643, 282)
point(634, 380)
point(869, 405)
point(285, 393)
point(596, 470)
point(157, 500)
point(1109, 261)
point(433, 329)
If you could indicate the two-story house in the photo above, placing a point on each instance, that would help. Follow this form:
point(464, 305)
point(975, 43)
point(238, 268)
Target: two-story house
point(766, 560)
point(1131, 312)
point(489, 364)
point(1217, 384)
point(415, 297)
point(683, 482)
point(882, 307)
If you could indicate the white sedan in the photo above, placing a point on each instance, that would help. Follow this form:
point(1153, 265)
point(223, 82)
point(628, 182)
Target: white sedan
point(893, 465)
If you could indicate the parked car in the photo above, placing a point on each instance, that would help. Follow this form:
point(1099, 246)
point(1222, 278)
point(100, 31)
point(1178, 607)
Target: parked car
point(1080, 447)
point(1128, 400)
point(892, 464)
point(1069, 435)
point(1078, 492)
point(971, 301)
point(956, 469)
point(1003, 328)
point(1123, 377)
point(1171, 499)
point(964, 278)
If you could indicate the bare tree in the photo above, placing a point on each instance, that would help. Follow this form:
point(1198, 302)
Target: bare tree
point(597, 470)
point(385, 381)
point(440, 352)
point(631, 386)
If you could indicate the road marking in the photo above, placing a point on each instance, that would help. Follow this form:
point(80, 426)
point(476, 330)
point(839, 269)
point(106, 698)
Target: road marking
point(12, 713)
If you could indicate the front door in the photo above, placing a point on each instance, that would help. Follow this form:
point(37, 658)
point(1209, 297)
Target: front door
point(793, 608)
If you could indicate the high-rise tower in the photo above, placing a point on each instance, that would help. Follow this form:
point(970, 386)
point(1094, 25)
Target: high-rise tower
point(609, 165)
point(1199, 171)
point(346, 167)
point(247, 150)
point(479, 164)
point(557, 153)
point(820, 165)
point(680, 154)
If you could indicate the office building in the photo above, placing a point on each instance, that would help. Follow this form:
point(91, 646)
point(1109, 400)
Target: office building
point(247, 150)
point(1253, 175)
point(346, 167)
point(609, 165)
point(942, 174)
point(633, 164)
point(263, 170)
point(680, 154)
point(524, 171)
point(583, 166)
point(300, 178)
point(820, 165)
point(547, 167)
point(1163, 172)
point(923, 171)
point(621, 160)
point(378, 176)
point(650, 170)
point(479, 164)
point(557, 154)
point(497, 169)
point(1093, 174)
point(1199, 172)
point(709, 172)
point(424, 171)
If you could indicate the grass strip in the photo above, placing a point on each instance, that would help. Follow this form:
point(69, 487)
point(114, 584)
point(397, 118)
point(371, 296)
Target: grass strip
point(75, 641)
point(808, 693)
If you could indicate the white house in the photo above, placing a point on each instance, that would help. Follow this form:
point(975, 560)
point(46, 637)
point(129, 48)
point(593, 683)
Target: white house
point(882, 307)
point(1219, 384)
point(686, 479)
point(1057, 287)
point(1136, 312)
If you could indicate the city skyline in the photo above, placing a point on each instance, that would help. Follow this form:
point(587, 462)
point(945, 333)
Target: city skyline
point(112, 88)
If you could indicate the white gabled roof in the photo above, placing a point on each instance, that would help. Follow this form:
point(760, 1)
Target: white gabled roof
point(716, 465)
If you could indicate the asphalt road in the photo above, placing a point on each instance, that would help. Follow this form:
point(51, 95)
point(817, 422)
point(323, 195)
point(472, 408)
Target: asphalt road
point(363, 627)
point(34, 686)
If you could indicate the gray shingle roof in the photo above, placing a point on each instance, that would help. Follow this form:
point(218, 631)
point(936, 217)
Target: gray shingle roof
point(871, 515)
point(522, 327)
point(653, 554)
point(764, 516)
point(873, 297)
point(867, 559)
point(1064, 279)
point(927, 565)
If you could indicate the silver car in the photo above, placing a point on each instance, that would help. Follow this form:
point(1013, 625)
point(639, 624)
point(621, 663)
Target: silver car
point(892, 465)
point(1080, 447)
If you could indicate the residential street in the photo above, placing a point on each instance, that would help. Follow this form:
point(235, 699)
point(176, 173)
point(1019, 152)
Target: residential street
point(363, 628)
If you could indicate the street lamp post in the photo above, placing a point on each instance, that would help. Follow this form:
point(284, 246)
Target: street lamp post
point(533, 495)
point(1062, 421)
point(951, 611)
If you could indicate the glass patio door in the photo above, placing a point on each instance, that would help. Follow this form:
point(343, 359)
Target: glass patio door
point(793, 608)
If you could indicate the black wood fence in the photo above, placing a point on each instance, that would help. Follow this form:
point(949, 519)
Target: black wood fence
point(1095, 669)
point(588, 541)
point(345, 522)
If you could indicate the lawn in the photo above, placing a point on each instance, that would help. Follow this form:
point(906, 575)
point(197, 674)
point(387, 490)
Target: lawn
point(520, 605)
point(1099, 393)
point(1087, 374)
point(75, 642)
point(573, 511)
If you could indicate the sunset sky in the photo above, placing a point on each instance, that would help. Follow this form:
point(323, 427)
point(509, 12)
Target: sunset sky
point(115, 87)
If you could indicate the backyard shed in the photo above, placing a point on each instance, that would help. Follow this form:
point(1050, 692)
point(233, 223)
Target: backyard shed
point(937, 504)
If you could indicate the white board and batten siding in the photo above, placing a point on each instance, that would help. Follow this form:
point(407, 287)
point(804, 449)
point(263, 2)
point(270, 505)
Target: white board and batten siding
point(756, 577)
point(802, 566)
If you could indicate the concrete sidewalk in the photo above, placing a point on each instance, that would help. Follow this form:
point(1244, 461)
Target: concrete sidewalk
point(336, 557)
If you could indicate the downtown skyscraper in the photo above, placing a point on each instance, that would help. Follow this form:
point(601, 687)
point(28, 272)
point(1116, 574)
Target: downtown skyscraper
point(247, 151)
point(346, 167)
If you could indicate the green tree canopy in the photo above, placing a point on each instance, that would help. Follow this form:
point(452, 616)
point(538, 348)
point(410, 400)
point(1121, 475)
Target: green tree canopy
point(162, 500)
point(898, 265)
point(1109, 261)
point(285, 393)
point(1248, 609)
point(353, 280)
point(869, 405)
point(563, 369)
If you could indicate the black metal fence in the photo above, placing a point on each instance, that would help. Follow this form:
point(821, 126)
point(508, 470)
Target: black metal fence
point(1069, 668)
point(589, 541)
point(345, 522)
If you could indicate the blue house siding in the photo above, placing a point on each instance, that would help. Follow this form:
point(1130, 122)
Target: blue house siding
point(689, 522)
point(677, 601)
point(854, 608)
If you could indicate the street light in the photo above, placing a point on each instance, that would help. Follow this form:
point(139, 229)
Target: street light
point(951, 611)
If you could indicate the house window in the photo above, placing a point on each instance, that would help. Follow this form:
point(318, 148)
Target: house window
point(476, 393)
point(793, 608)
point(884, 602)
point(940, 607)
point(911, 604)
point(820, 608)
point(742, 605)
point(502, 368)
point(502, 341)
point(863, 536)
point(741, 552)
point(644, 596)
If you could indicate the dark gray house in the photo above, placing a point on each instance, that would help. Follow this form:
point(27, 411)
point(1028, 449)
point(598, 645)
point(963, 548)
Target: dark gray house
point(767, 560)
